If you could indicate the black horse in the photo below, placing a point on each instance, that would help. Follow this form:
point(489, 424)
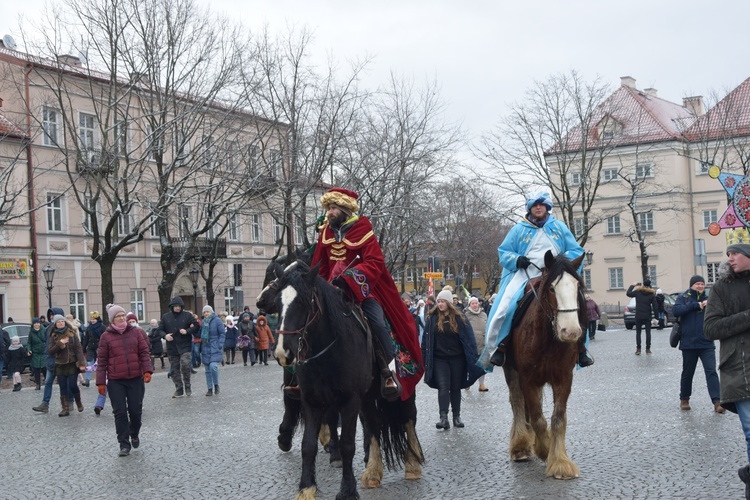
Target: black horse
point(326, 337)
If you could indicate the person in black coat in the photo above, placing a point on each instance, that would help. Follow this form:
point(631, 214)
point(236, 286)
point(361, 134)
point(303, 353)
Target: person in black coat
point(646, 308)
point(449, 352)
point(154, 338)
point(178, 327)
point(689, 308)
point(90, 342)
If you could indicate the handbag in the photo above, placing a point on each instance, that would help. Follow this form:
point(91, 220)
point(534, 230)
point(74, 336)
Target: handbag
point(675, 334)
point(601, 327)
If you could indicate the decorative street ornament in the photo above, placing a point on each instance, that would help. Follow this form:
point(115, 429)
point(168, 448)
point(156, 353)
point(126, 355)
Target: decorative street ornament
point(736, 218)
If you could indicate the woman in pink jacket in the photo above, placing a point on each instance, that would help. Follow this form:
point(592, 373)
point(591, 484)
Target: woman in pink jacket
point(124, 366)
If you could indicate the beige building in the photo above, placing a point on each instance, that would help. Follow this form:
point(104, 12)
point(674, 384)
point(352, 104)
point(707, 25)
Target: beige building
point(63, 146)
point(655, 188)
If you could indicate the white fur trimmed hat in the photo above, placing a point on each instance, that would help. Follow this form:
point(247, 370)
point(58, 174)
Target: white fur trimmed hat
point(344, 198)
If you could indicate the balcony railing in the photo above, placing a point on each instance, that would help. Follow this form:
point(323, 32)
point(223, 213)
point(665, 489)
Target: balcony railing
point(203, 248)
point(94, 161)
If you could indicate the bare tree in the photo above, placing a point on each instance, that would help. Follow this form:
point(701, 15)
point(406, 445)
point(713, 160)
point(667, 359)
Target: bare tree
point(552, 139)
point(14, 178)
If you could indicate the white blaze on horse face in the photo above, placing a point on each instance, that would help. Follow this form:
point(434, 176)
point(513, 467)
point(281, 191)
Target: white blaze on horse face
point(288, 294)
point(566, 291)
point(257, 299)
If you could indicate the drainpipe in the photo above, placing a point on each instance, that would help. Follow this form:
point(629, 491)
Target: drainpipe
point(31, 202)
point(692, 208)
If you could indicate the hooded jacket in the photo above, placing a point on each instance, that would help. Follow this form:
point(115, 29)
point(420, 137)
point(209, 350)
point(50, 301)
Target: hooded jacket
point(37, 346)
point(122, 356)
point(688, 309)
point(90, 341)
point(645, 302)
point(173, 322)
point(727, 319)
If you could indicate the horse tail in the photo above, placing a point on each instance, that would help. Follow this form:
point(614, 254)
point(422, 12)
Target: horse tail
point(393, 438)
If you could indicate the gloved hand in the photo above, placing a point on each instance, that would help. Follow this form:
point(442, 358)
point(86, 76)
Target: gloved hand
point(102, 389)
point(523, 262)
point(340, 282)
point(147, 377)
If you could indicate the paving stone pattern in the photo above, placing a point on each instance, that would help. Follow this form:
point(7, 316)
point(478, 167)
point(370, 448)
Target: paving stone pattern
point(625, 432)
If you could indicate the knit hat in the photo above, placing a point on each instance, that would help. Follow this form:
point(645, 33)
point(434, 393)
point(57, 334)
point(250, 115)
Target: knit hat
point(35, 320)
point(743, 248)
point(473, 299)
point(230, 321)
point(534, 198)
point(58, 317)
point(94, 315)
point(15, 339)
point(208, 308)
point(696, 279)
point(446, 295)
point(343, 198)
point(112, 311)
point(131, 316)
point(647, 282)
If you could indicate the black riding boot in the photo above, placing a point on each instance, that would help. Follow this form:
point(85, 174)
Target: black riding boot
point(584, 359)
point(443, 424)
point(390, 388)
point(498, 357)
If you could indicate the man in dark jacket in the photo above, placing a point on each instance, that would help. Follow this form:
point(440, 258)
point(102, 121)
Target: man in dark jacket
point(645, 309)
point(689, 309)
point(728, 321)
point(178, 327)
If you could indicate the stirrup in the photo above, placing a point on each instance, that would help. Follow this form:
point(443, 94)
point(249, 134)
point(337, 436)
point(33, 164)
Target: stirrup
point(393, 392)
point(292, 392)
point(498, 357)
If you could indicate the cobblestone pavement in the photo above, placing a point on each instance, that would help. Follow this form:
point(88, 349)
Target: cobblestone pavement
point(625, 432)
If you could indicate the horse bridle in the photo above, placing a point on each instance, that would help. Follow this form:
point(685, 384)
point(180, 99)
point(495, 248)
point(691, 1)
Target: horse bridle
point(313, 316)
point(552, 318)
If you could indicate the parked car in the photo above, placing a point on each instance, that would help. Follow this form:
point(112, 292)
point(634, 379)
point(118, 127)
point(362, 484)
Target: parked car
point(22, 331)
point(629, 314)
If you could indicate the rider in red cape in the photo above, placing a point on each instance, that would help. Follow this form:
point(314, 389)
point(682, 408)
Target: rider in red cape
point(350, 258)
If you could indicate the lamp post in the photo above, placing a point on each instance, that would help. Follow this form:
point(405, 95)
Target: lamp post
point(194, 273)
point(589, 257)
point(49, 276)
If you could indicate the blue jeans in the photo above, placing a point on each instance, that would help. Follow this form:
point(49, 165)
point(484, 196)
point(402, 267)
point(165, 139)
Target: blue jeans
point(212, 374)
point(690, 362)
point(100, 400)
point(743, 410)
point(49, 381)
point(195, 360)
point(88, 374)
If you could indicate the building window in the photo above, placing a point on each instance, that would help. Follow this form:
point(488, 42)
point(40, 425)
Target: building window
point(578, 227)
point(274, 163)
point(299, 231)
point(87, 217)
point(613, 224)
point(652, 276)
point(153, 143)
point(586, 275)
point(278, 231)
point(54, 212)
point(234, 227)
point(703, 167)
point(121, 138)
point(256, 233)
point(646, 222)
point(643, 170)
point(409, 275)
point(184, 214)
point(609, 174)
point(575, 179)
point(712, 272)
point(207, 151)
point(155, 222)
point(709, 216)
point(181, 148)
point(252, 160)
point(78, 305)
point(228, 299)
point(86, 130)
point(125, 224)
point(616, 281)
point(138, 303)
point(49, 125)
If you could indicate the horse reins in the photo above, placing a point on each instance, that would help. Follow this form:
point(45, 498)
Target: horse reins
point(552, 318)
point(312, 317)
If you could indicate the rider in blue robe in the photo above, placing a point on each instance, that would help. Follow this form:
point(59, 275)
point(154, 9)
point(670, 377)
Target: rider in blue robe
point(525, 244)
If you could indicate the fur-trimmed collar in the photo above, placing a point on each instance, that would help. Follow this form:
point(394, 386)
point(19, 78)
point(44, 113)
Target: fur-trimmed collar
point(645, 289)
point(726, 273)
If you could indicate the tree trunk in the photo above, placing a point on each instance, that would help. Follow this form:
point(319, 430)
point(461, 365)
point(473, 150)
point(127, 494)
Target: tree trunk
point(106, 263)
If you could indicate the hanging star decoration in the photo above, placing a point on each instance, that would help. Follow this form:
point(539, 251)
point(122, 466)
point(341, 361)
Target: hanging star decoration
point(736, 218)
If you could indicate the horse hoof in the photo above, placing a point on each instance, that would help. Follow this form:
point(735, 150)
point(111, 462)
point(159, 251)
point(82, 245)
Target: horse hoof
point(371, 483)
point(309, 493)
point(284, 444)
point(413, 475)
point(521, 456)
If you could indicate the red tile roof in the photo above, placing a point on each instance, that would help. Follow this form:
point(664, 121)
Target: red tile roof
point(8, 129)
point(642, 118)
point(730, 117)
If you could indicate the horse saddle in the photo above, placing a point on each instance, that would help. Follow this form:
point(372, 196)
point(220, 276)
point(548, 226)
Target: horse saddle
point(525, 301)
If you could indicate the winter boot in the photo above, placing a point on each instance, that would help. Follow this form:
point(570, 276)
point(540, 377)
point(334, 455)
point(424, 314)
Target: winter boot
point(216, 389)
point(43, 407)
point(38, 387)
point(584, 359)
point(498, 357)
point(65, 407)
point(443, 424)
point(16, 387)
point(457, 422)
point(79, 404)
point(210, 392)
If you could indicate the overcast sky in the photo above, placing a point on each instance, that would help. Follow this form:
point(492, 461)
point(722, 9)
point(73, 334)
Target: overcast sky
point(485, 54)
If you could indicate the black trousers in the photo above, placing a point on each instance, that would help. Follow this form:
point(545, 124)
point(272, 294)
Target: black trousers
point(449, 373)
point(376, 319)
point(645, 323)
point(126, 398)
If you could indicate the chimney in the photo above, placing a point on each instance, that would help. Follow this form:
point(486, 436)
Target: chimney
point(627, 81)
point(69, 60)
point(651, 92)
point(694, 104)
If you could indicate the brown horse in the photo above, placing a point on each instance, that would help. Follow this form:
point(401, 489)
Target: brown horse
point(544, 350)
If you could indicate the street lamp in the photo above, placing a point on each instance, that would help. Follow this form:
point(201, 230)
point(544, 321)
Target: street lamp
point(589, 257)
point(49, 276)
point(194, 273)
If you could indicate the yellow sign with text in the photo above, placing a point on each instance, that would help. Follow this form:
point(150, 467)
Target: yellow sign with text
point(14, 269)
point(433, 275)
